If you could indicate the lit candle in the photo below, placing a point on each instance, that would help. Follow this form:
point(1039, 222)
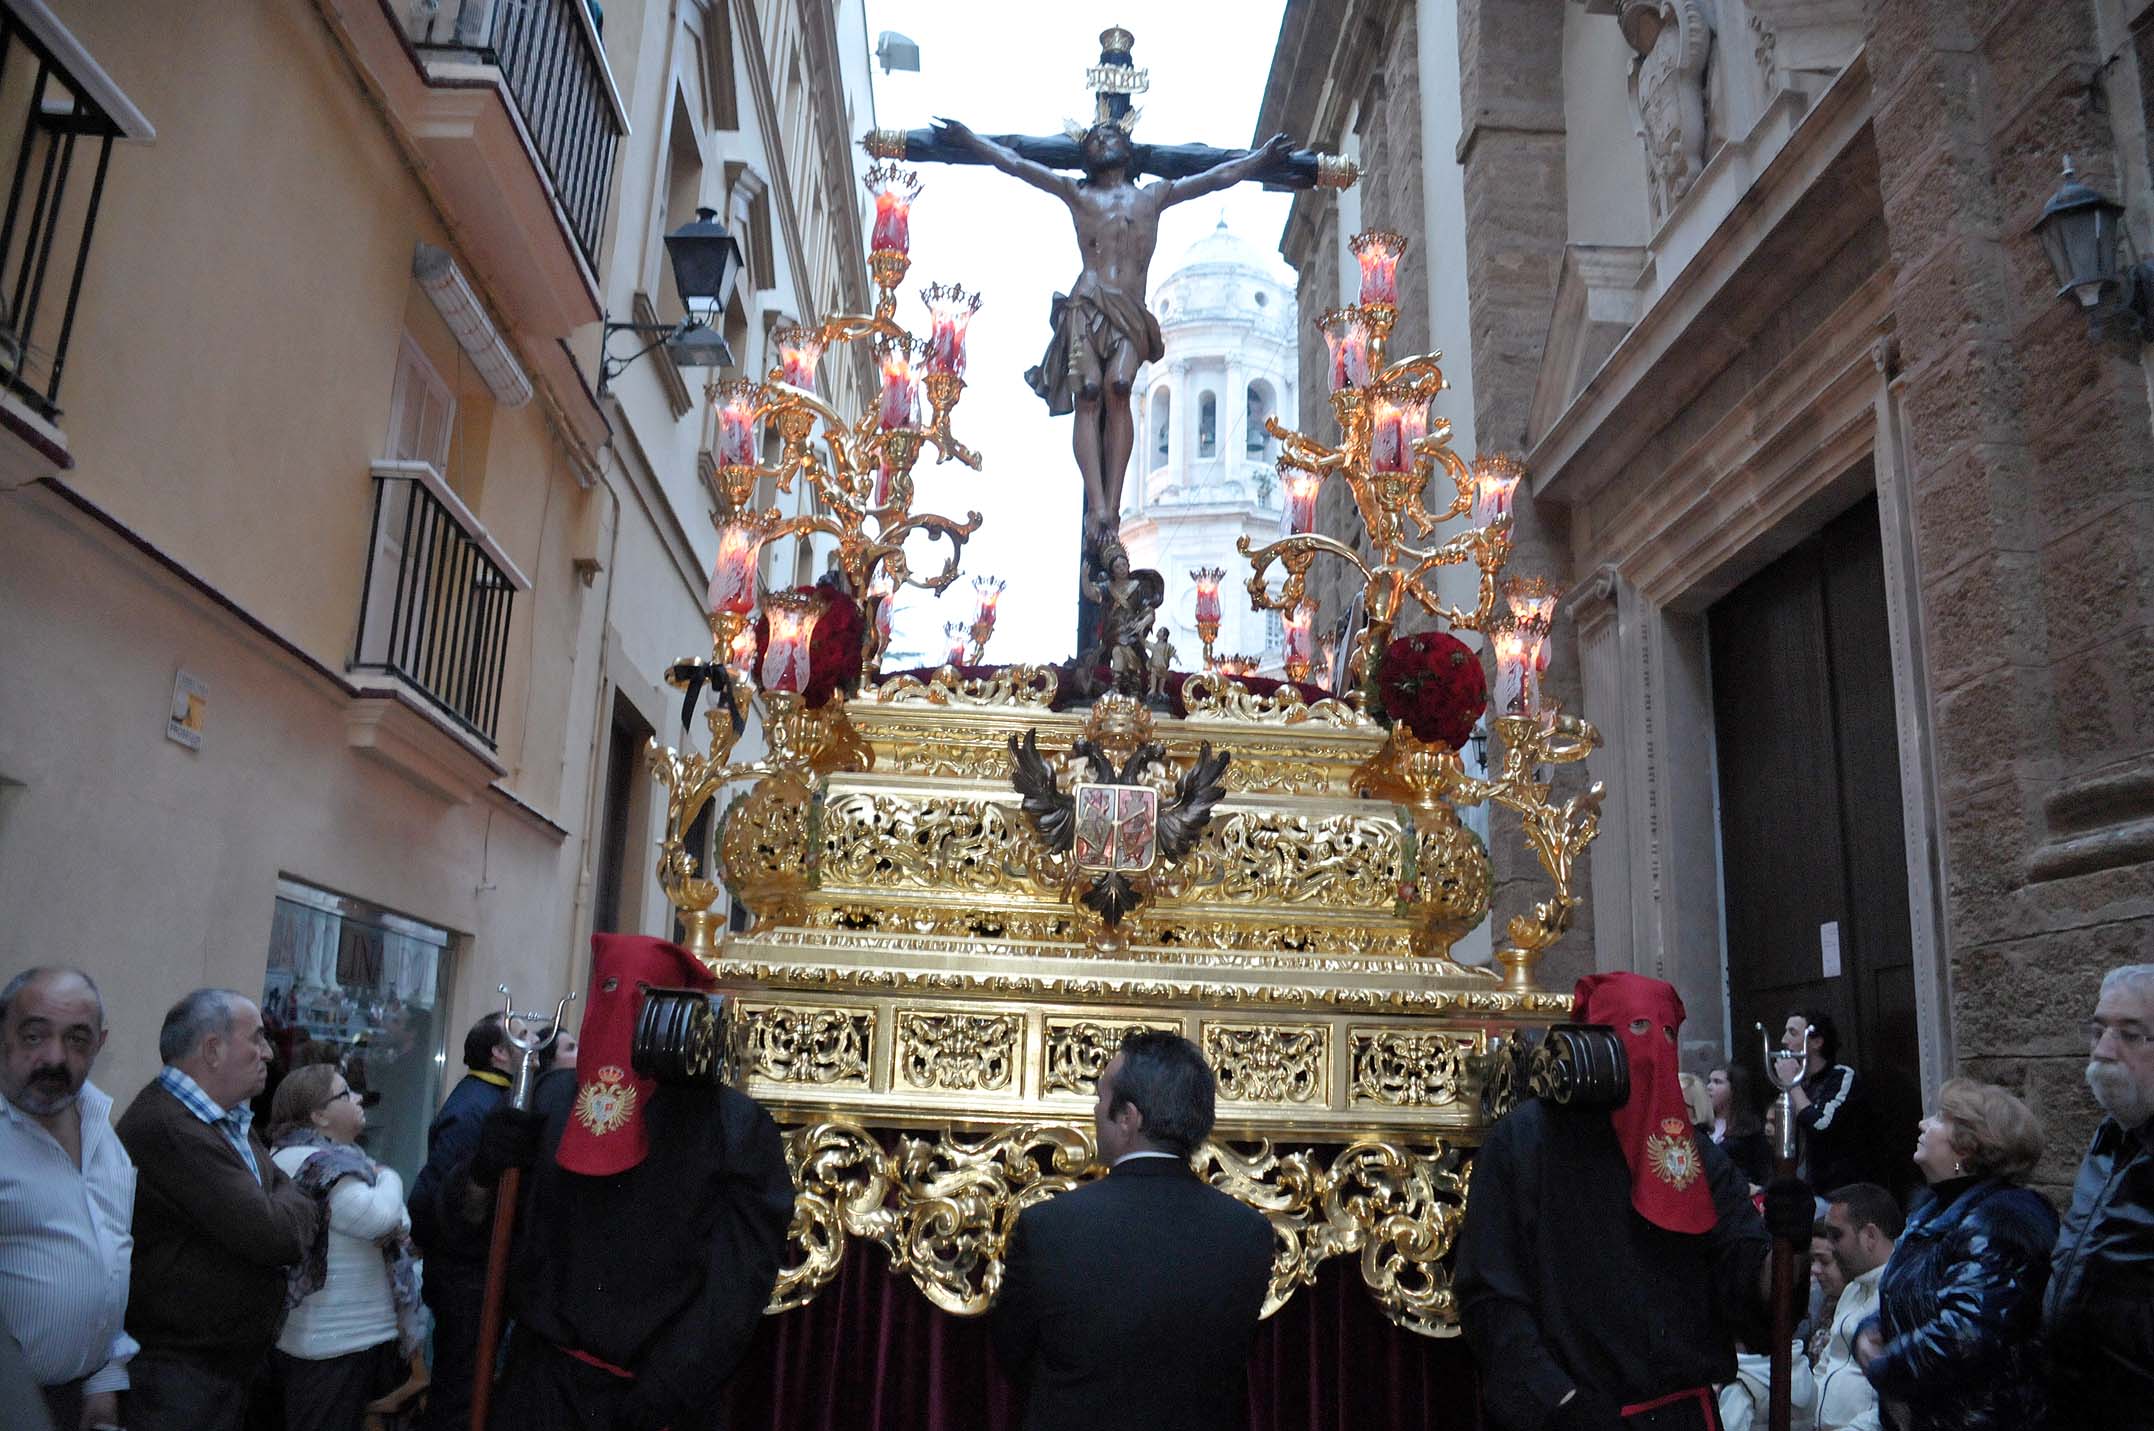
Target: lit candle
point(1301, 490)
point(954, 632)
point(799, 350)
point(1297, 640)
point(1208, 579)
point(737, 404)
point(1495, 478)
point(792, 625)
point(741, 654)
point(1516, 654)
point(1413, 426)
point(1379, 251)
point(882, 596)
point(894, 190)
point(733, 578)
point(1346, 336)
point(1387, 450)
point(896, 409)
point(950, 308)
point(987, 592)
point(1531, 598)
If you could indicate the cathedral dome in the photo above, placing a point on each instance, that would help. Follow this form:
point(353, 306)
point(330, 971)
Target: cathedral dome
point(1225, 276)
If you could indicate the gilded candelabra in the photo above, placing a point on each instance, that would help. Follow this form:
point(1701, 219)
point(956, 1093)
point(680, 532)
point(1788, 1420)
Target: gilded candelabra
point(1389, 453)
point(859, 477)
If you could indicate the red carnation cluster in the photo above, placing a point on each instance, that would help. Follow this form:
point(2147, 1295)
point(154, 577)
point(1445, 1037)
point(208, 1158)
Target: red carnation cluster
point(1434, 683)
point(833, 647)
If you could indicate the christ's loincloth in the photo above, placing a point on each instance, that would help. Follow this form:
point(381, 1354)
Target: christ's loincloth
point(1091, 325)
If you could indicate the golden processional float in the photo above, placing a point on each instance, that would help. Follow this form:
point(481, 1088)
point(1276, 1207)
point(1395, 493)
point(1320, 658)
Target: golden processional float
point(967, 883)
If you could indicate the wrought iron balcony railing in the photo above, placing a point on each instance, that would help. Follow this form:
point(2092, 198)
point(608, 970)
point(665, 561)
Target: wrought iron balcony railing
point(554, 69)
point(438, 598)
point(53, 97)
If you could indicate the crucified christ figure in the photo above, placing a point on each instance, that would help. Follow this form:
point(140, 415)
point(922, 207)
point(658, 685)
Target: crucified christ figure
point(1102, 330)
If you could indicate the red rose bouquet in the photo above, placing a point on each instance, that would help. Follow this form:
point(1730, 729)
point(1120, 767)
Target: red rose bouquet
point(1433, 683)
point(833, 647)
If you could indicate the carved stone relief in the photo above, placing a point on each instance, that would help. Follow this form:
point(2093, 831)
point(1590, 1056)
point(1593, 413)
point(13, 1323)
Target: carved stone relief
point(1672, 41)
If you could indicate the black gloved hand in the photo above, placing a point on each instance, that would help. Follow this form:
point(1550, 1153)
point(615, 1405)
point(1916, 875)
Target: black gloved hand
point(509, 1138)
point(1790, 1210)
point(1587, 1410)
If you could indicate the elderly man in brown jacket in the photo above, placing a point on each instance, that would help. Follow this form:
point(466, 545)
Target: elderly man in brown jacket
point(216, 1222)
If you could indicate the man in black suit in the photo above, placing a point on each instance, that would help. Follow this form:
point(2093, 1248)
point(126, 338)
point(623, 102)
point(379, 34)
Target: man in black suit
point(1131, 1302)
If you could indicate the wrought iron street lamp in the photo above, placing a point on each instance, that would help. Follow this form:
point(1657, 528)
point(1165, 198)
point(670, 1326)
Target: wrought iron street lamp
point(2083, 235)
point(706, 261)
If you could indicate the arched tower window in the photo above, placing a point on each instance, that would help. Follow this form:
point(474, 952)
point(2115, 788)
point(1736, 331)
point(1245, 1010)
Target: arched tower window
point(1207, 426)
point(1162, 424)
point(1262, 404)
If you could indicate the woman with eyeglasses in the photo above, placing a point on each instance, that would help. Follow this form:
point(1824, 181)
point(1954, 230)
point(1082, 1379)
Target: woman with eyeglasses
point(1957, 1339)
point(354, 1300)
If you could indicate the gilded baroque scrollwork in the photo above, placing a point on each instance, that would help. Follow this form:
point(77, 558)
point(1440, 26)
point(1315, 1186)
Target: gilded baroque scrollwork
point(944, 842)
point(791, 1044)
point(1175, 933)
point(942, 1209)
point(1027, 686)
point(1332, 861)
point(1078, 1049)
point(1208, 697)
point(1398, 1207)
point(1268, 1063)
point(1397, 1069)
point(957, 1050)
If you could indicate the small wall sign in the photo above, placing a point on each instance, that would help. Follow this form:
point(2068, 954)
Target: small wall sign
point(190, 708)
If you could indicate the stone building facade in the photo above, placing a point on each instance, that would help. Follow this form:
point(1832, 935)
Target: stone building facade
point(1855, 514)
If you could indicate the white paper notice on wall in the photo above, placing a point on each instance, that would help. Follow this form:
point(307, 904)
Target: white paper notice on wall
point(1828, 946)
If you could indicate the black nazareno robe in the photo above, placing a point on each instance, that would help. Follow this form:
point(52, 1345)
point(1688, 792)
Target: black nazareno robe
point(1561, 1283)
point(662, 1271)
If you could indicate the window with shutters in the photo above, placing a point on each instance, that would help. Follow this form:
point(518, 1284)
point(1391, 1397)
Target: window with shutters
point(422, 410)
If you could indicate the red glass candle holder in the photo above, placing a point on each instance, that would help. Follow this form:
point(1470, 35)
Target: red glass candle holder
point(894, 189)
point(739, 405)
point(732, 585)
point(1301, 492)
point(799, 350)
point(899, 404)
point(792, 626)
point(1207, 579)
point(950, 309)
point(1496, 476)
point(1379, 251)
point(1346, 337)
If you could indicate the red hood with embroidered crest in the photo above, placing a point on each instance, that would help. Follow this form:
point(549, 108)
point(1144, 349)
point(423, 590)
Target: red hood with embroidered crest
point(1667, 1169)
point(608, 1130)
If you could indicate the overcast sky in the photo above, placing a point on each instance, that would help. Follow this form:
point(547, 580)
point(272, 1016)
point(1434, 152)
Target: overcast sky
point(1022, 71)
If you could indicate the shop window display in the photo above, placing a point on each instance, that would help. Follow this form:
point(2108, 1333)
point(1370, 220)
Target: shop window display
point(356, 985)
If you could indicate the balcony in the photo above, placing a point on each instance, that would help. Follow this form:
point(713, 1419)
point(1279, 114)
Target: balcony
point(510, 113)
point(59, 117)
point(439, 591)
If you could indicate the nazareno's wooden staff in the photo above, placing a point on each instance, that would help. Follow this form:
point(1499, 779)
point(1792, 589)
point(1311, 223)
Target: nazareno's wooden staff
point(527, 1044)
point(1785, 1253)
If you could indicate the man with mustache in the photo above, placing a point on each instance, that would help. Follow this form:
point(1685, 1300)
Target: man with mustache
point(67, 1195)
point(2101, 1286)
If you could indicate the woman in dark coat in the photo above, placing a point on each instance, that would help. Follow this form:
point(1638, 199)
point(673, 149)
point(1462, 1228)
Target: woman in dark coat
point(1957, 1338)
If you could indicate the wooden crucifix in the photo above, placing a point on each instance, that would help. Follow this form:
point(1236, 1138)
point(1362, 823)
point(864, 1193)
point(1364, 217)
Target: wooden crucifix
point(1101, 329)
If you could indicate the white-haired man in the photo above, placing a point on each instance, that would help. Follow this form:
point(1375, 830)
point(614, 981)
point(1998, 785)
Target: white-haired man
point(217, 1223)
point(67, 1199)
point(2100, 1334)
